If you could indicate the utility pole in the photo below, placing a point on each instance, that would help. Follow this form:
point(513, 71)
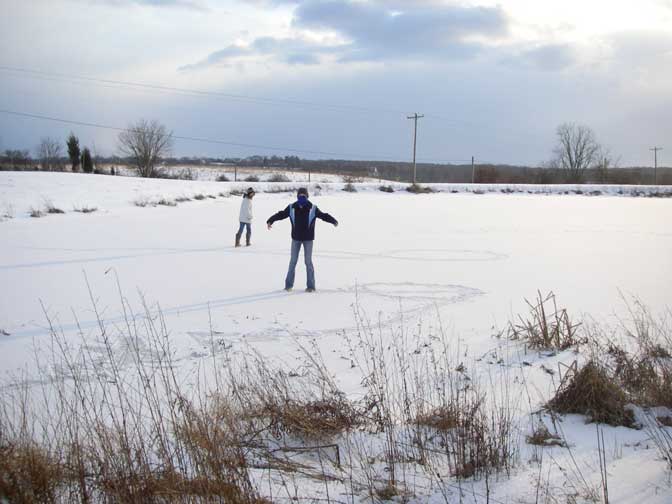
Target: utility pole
point(473, 170)
point(415, 117)
point(655, 164)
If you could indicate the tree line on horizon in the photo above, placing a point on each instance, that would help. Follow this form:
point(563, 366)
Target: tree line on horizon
point(146, 145)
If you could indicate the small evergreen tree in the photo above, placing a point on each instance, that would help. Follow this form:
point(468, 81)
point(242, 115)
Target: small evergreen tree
point(74, 152)
point(87, 162)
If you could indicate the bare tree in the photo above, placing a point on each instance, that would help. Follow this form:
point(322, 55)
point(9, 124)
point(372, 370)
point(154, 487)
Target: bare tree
point(145, 143)
point(49, 152)
point(577, 150)
point(18, 159)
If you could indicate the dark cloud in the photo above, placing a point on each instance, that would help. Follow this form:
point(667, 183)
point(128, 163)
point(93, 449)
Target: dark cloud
point(377, 31)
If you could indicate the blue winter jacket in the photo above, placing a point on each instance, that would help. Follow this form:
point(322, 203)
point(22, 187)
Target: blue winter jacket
point(302, 219)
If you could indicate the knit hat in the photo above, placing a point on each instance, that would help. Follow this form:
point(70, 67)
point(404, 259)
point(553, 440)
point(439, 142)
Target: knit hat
point(250, 190)
point(302, 190)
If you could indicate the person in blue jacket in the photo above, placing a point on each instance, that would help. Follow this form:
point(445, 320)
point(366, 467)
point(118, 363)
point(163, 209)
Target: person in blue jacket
point(302, 214)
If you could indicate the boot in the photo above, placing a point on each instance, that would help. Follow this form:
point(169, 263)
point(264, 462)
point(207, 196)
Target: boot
point(247, 239)
point(237, 240)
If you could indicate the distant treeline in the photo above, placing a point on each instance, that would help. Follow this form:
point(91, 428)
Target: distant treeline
point(384, 170)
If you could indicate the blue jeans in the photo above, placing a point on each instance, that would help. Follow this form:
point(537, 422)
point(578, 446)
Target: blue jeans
point(242, 226)
point(308, 256)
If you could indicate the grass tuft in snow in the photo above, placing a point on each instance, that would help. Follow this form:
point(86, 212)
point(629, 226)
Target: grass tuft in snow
point(591, 391)
point(546, 327)
point(50, 208)
point(166, 202)
point(85, 209)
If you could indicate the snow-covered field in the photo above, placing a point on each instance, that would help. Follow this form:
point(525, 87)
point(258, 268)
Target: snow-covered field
point(463, 261)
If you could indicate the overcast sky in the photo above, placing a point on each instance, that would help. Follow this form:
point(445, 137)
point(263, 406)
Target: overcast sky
point(337, 78)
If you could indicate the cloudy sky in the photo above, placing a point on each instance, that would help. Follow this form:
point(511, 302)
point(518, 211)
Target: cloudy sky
point(337, 78)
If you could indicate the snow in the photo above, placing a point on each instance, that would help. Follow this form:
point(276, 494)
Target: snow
point(468, 260)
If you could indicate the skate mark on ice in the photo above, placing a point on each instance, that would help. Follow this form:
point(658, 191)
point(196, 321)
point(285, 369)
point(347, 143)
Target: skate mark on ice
point(415, 298)
point(414, 255)
point(394, 302)
point(88, 325)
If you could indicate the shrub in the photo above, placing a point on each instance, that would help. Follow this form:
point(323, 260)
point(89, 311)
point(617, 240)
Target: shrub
point(222, 178)
point(87, 161)
point(35, 212)
point(251, 178)
point(418, 189)
point(592, 392)
point(199, 197)
point(278, 177)
point(166, 202)
point(387, 189)
point(349, 187)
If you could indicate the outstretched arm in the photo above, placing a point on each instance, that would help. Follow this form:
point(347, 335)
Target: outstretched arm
point(282, 214)
point(325, 217)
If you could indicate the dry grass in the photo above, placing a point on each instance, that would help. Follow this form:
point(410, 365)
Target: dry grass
point(313, 420)
point(546, 327)
point(36, 212)
point(442, 418)
point(418, 189)
point(543, 437)
point(591, 391)
point(86, 209)
point(28, 473)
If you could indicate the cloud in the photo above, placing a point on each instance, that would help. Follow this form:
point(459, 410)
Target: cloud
point(292, 51)
point(550, 57)
point(189, 4)
point(377, 30)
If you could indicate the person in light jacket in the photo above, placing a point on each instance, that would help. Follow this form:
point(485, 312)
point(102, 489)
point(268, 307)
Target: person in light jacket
point(302, 214)
point(245, 217)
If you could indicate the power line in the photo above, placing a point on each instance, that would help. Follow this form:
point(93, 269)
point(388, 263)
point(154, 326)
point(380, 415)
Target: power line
point(116, 84)
point(202, 140)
